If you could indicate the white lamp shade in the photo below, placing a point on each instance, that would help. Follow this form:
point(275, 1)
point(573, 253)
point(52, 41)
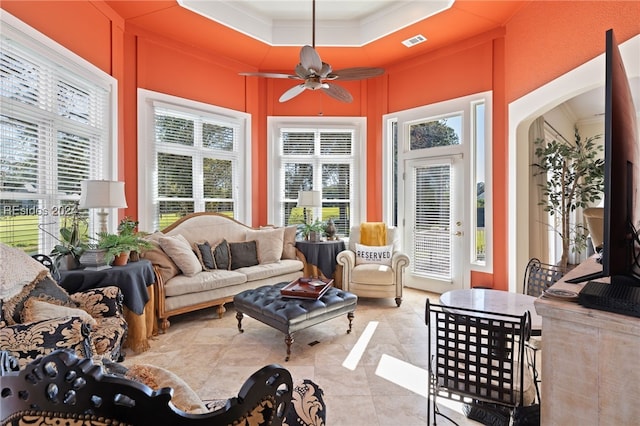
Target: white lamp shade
point(309, 199)
point(102, 194)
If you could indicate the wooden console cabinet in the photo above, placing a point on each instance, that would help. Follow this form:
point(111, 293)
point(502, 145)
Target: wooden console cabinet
point(590, 361)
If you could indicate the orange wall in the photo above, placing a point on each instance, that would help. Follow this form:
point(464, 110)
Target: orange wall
point(542, 41)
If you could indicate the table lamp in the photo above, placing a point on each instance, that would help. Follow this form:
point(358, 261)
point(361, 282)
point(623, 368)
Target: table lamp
point(309, 199)
point(102, 194)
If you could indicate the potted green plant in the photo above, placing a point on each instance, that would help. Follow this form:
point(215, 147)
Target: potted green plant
point(311, 231)
point(67, 254)
point(117, 246)
point(574, 178)
point(127, 226)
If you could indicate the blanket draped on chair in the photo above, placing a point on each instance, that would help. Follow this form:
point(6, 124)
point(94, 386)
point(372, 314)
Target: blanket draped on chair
point(373, 233)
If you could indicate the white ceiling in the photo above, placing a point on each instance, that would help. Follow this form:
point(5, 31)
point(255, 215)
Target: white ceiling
point(338, 22)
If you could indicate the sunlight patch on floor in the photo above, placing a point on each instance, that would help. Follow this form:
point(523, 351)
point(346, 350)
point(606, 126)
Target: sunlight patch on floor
point(352, 360)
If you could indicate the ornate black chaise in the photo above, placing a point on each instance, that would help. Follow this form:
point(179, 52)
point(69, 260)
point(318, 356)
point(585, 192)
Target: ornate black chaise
point(61, 388)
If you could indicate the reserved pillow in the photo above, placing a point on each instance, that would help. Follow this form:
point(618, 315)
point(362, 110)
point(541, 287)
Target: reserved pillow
point(269, 243)
point(243, 254)
point(222, 256)
point(179, 250)
point(37, 310)
point(380, 255)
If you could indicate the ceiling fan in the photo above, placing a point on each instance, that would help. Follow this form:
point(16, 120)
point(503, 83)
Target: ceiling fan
point(318, 75)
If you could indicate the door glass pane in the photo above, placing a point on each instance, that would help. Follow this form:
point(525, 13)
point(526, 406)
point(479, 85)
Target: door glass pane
point(435, 133)
point(432, 233)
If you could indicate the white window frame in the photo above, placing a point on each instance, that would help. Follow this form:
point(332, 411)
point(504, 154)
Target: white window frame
point(358, 195)
point(75, 66)
point(147, 166)
point(465, 104)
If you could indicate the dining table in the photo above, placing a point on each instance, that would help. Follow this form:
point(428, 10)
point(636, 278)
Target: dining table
point(499, 301)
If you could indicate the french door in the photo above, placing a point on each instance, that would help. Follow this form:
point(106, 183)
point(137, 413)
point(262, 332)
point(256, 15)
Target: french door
point(434, 226)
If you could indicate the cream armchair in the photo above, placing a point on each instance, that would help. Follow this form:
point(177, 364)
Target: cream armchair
point(374, 279)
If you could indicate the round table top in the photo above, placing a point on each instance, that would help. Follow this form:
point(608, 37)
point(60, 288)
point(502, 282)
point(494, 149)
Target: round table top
point(494, 301)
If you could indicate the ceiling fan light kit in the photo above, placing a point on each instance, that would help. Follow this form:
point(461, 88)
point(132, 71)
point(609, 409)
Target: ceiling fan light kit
point(318, 75)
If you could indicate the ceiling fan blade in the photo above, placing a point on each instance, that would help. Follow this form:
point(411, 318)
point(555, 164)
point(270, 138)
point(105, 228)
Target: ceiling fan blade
point(326, 70)
point(268, 75)
point(310, 59)
point(301, 71)
point(292, 93)
point(357, 73)
point(337, 92)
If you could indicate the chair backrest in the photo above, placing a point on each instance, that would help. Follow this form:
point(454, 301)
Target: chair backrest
point(49, 263)
point(393, 237)
point(540, 276)
point(61, 386)
point(477, 354)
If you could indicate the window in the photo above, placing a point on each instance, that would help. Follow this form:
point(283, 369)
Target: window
point(199, 156)
point(56, 129)
point(321, 155)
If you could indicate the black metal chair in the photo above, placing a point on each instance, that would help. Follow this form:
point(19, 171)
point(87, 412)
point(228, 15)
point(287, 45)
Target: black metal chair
point(477, 356)
point(49, 263)
point(538, 277)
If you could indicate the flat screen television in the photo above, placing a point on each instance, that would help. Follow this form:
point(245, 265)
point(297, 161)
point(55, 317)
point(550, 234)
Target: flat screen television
point(621, 246)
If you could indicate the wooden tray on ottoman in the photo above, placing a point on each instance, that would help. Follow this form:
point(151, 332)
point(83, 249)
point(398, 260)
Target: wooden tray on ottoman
point(306, 288)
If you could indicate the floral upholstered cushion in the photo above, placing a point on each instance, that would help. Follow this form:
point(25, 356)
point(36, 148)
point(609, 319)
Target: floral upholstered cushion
point(30, 341)
point(307, 405)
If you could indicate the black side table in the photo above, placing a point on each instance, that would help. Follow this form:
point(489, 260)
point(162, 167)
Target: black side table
point(132, 279)
point(322, 255)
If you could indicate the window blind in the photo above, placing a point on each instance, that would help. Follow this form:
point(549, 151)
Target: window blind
point(318, 159)
point(432, 235)
point(54, 132)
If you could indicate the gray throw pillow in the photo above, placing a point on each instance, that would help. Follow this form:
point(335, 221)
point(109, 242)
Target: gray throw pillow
point(243, 254)
point(221, 255)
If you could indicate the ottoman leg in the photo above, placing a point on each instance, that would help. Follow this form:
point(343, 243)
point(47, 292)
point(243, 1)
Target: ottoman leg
point(350, 316)
point(288, 339)
point(239, 316)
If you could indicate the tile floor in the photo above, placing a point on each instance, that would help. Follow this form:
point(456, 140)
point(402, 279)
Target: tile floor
point(386, 386)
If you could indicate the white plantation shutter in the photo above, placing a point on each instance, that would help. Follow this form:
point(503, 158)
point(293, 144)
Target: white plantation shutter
point(55, 131)
point(432, 233)
point(197, 160)
point(321, 159)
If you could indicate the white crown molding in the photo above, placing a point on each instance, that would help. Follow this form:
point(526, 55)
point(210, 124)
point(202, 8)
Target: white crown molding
point(353, 32)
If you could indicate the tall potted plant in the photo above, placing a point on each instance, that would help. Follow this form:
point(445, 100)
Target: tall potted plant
point(574, 178)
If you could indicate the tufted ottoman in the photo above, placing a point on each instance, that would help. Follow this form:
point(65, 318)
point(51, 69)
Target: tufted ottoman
point(289, 315)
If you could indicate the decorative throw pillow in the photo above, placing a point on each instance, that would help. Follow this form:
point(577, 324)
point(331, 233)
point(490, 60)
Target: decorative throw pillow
point(222, 256)
point(45, 289)
point(289, 242)
point(179, 250)
point(205, 255)
point(167, 267)
point(380, 255)
point(243, 254)
point(37, 310)
point(269, 243)
point(373, 233)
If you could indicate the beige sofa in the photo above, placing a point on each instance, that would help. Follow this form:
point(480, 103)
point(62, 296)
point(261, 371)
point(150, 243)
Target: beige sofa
point(204, 259)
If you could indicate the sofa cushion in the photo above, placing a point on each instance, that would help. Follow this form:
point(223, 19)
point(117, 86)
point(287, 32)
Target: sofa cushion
point(269, 243)
point(380, 255)
point(243, 254)
point(268, 270)
point(179, 250)
point(372, 274)
point(37, 310)
point(45, 289)
point(205, 255)
point(161, 260)
point(203, 281)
